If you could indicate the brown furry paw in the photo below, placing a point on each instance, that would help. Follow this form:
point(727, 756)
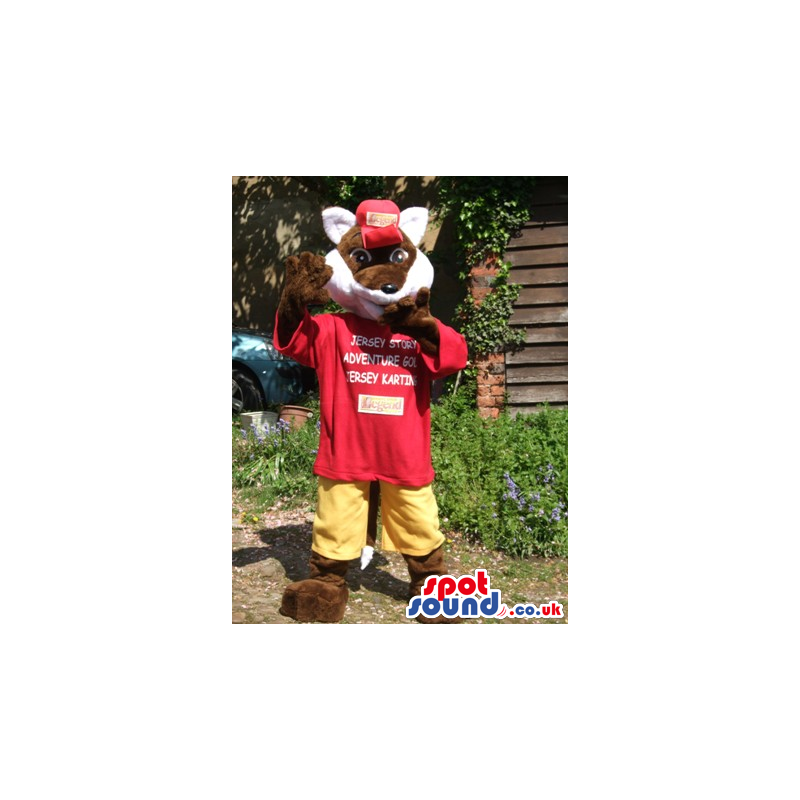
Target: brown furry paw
point(412, 316)
point(306, 276)
point(314, 600)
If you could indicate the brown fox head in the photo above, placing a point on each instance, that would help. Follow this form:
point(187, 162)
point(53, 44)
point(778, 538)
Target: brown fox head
point(376, 261)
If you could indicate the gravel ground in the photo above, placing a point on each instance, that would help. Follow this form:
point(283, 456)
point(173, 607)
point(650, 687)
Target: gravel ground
point(271, 550)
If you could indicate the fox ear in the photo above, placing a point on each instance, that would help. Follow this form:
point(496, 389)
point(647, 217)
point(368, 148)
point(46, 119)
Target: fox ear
point(413, 222)
point(337, 221)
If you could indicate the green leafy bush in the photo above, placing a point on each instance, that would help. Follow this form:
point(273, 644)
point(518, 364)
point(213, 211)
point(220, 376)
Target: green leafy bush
point(277, 461)
point(503, 482)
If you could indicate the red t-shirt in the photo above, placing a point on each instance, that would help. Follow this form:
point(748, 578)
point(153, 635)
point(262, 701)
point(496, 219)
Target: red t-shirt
point(374, 396)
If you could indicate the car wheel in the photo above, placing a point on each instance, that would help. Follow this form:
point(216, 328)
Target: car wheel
point(246, 396)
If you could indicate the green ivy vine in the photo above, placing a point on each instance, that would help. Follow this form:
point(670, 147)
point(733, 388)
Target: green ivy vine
point(485, 324)
point(487, 212)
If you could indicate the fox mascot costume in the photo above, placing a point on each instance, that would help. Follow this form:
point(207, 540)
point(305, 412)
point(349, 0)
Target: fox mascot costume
point(375, 364)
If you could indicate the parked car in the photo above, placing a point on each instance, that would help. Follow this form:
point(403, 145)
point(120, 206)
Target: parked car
point(262, 376)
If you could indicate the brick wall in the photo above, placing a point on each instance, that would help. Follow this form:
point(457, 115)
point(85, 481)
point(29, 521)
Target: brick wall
point(491, 368)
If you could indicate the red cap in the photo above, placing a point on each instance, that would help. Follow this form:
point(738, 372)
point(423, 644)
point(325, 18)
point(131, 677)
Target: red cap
point(379, 220)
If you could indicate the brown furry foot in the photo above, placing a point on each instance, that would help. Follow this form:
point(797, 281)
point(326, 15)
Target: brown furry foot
point(314, 600)
point(440, 619)
point(420, 568)
point(322, 597)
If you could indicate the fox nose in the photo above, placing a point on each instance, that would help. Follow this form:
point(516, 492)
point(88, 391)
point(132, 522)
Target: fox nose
point(389, 288)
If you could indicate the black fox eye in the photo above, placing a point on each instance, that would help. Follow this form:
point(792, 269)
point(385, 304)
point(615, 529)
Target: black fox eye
point(361, 256)
point(398, 256)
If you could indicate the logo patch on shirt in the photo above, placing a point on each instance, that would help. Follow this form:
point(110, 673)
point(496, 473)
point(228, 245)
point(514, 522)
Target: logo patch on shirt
point(374, 404)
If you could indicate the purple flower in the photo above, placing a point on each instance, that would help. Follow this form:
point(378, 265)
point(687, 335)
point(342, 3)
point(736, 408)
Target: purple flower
point(513, 489)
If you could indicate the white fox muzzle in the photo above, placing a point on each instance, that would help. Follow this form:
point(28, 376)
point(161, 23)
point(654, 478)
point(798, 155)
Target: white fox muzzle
point(353, 296)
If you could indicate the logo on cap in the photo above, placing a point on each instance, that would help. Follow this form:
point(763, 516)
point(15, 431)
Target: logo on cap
point(379, 220)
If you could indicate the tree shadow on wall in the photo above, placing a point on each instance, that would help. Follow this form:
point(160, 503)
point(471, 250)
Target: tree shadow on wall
point(278, 216)
point(273, 218)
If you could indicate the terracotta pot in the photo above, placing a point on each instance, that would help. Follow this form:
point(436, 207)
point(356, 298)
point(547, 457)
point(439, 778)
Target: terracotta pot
point(296, 416)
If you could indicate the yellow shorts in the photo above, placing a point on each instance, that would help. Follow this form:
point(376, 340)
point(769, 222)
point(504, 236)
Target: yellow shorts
point(409, 515)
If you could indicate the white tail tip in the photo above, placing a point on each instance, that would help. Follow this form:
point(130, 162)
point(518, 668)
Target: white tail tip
point(366, 556)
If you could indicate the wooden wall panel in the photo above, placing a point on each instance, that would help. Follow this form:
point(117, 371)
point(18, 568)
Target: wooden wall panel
point(544, 255)
point(538, 372)
point(539, 354)
point(525, 317)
